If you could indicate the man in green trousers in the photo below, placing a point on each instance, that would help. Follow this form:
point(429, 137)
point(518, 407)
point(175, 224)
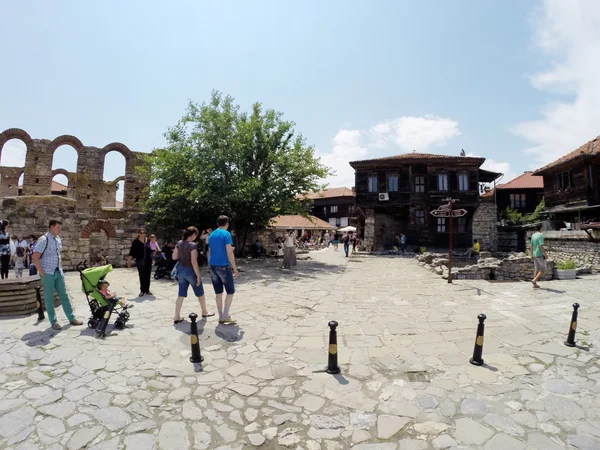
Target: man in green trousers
point(48, 262)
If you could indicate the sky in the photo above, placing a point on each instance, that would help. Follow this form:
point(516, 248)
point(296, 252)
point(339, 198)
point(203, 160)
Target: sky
point(516, 82)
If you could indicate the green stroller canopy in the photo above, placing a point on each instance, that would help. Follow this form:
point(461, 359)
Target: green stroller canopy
point(90, 278)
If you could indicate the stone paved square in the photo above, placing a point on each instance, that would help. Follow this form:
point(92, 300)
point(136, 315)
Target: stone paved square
point(405, 338)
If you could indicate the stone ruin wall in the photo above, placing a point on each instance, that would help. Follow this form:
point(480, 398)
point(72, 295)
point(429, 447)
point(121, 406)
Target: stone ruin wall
point(91, 222)
point(576, 245)
point(485, 229)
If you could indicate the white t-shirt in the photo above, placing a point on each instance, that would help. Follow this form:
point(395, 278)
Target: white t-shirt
point(290, 241)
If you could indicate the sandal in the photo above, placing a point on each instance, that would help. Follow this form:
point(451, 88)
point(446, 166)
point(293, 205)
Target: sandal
point(208, 315)
point(56, 327)
point(175, 322)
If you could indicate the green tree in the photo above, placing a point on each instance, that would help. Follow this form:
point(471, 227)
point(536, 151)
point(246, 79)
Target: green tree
point(219, 160)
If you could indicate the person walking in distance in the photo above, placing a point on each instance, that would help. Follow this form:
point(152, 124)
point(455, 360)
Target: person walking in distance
point(48, 261)
point(538, 253)
point(289, 250)
point(222, 267)
point(188, 273)
point(142, 252)
point(5, 251)
point(402, 242)
point(347, 243)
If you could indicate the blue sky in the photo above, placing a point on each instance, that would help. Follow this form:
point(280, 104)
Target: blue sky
point(511, 81)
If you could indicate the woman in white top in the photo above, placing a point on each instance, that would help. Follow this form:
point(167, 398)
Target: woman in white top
point(289, 250)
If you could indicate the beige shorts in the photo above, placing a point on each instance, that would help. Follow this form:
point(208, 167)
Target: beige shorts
point(539, 263)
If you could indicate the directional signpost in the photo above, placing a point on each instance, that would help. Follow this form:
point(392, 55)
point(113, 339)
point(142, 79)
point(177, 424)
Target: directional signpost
point(448, 211)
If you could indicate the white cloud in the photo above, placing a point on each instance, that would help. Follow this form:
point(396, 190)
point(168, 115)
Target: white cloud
point(408, 133)
point(415, 133)
point(568, 32)
point(346, 147)
point(13, 153)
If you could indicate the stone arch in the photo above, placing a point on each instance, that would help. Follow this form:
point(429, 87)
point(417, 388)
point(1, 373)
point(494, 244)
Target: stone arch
point(97, 226)
point(15, 133)
point(65, 139)
point(121, 178)
point(118, 147)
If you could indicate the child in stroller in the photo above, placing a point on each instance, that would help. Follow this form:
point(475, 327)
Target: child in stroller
point(111, 295)
point(101, 307)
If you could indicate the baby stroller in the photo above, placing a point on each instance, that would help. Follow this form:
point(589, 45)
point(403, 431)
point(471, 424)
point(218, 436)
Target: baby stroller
point(100, 307)
point(164, 267)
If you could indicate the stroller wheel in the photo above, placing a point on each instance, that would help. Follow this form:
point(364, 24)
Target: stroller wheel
point(92, 323)
point(119, 324)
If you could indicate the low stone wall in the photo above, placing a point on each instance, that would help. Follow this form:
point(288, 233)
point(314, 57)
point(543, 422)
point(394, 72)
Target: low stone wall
point(576, 245)
point(516, 267)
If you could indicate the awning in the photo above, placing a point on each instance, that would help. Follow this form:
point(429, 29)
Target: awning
point(487, 176)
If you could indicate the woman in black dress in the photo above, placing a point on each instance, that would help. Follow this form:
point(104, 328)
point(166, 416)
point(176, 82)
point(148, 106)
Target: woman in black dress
point(142, 252)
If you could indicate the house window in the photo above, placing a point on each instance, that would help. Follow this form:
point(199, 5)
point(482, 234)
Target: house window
point(325, 210)
point(420, 184)
point(372, 183)
point(463, 181)
point(591, 176)
point(338, 222)
point(333, 209)
point(517, 201)
point(351, 209)
point(441, 224)
point(420, 217)
point(442, 182)
point(462, 224)
point(563, 180)
point(393, 183)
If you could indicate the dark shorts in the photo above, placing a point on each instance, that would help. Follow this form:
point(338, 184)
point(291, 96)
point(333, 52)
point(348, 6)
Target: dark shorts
point(222, 277)
point(187, 277)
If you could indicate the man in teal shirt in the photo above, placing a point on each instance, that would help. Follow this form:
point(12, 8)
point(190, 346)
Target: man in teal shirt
point(538, 253)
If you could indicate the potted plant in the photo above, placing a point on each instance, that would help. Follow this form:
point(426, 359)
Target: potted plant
point(566, 270)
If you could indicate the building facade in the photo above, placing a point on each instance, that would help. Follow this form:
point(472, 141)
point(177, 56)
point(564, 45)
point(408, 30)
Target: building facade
point(335, 206)
point(572, 184)
point(523, 193)
point(396, 194)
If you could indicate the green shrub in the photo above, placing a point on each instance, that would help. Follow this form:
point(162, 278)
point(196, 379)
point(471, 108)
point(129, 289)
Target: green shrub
point(569, 264)
point(422, 249)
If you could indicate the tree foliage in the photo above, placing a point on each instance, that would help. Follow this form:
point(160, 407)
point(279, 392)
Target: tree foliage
point(220, 160)
point(515, 217)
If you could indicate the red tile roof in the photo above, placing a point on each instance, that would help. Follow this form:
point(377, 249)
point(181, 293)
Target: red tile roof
point(525, 181)
point(421, 156)
point(330, 193)
point(589, 148)
point(300, 222)
point(489, 193)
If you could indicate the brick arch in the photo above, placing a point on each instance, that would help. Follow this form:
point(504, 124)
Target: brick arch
point(64, 172)
point(97, 226)
point(15, 133)
point(118, 147)
point(65, 139)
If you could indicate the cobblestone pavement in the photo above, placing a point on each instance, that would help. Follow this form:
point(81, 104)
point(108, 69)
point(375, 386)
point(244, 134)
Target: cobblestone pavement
point(405, 338)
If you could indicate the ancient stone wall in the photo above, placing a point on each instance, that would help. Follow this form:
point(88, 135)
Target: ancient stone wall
point(91, 223)
point(369, 238)
point(507, 241)
point(576, 245)
point(485, 221)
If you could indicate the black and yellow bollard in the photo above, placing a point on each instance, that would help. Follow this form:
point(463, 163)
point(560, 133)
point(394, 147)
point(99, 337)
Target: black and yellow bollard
point(570, 342)
point(101, 328)
point(332, 362)
point(39, 304)
point(477, 359)
point(196, 356)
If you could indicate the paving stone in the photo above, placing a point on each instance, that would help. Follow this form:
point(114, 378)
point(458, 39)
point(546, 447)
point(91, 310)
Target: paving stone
point(112, 444)
point(61, 410)
point(202, 436)
point(561, 387)
point(473, 407)
point(563, 408)
point(142, 425)
point(50, 429)
point(582, 442)
point(256, 439)
point(82, 437)
point(388, 426)
point(179, 395)
point(505, 424)
point(430, 427)
point(140, 441)
point(78, 419)
point(243, 389)
point(113, 418)
point(15, 421)
point(309, 402)
point(412, 444)
point(226, 433)
point(173, 436)
point(470, 432)
point(541, 442)
point(504, 442)
point(36, 393)
point(443, 442)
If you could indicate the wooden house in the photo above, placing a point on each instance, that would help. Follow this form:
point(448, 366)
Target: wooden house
point(334, 205)
point(572, 184)
point(397, 193)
